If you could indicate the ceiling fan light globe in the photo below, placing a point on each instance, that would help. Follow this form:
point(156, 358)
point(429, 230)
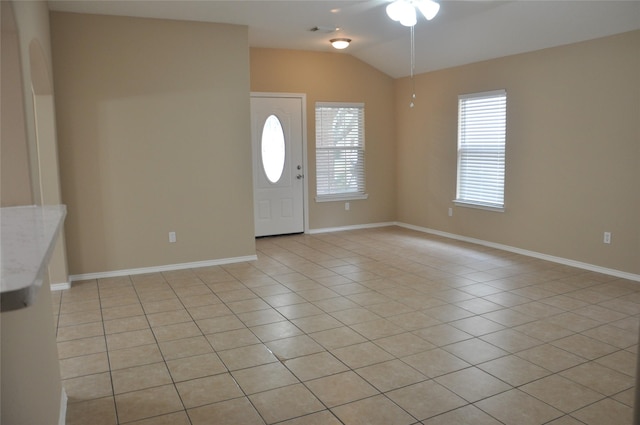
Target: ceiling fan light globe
point(428, 8)
point(394, 10)
point(409, 17)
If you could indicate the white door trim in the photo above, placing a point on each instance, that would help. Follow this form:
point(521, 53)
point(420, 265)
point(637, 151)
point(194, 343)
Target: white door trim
point(305, 186)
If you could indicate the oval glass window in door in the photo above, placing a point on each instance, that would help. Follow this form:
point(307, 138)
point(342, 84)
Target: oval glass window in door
point(273, 149)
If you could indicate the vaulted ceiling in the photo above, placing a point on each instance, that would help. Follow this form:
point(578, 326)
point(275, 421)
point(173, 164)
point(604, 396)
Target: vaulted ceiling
point(463, 32)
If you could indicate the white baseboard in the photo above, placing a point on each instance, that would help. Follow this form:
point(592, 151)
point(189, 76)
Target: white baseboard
point(166, 268)
point(354, 227)
point(534, 254)
point(63, 407)
point(60, 286)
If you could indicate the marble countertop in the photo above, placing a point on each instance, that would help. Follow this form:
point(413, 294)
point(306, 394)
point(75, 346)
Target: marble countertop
point(27, 239)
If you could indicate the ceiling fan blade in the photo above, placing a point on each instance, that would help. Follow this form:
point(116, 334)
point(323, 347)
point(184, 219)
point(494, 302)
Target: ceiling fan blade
point(363, 6)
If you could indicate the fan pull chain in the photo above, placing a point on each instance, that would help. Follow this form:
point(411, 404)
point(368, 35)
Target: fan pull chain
point(413, 66)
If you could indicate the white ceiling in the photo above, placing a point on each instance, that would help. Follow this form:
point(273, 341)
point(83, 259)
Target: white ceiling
point(463, 32)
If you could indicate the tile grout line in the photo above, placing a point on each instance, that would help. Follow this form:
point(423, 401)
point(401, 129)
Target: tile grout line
point(302, 270)
point(106, 343)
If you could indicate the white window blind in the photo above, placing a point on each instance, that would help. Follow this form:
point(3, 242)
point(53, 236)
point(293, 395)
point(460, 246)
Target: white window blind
point(340, 151)
point(481, 149)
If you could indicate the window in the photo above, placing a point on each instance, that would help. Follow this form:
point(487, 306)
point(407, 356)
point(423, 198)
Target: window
point(272, 149)
point(481, 149)
point(340, 151)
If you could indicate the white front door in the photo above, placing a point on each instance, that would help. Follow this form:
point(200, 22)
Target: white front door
point(278, 174)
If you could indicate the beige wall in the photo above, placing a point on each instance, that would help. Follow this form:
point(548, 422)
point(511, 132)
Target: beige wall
point(135, 125)
point(33, 29)
point(15, 175)
point(35, 46)
point(154, 136)
point(339, 77)
point(573, 151)
point(30, 373)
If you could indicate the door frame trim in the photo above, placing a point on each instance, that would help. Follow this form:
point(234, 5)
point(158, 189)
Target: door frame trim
point(305, 165)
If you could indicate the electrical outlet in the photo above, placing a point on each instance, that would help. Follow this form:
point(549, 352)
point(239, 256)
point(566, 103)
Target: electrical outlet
point(347, 206)
point(172, 237)
point(607, 237)
point(450, 212)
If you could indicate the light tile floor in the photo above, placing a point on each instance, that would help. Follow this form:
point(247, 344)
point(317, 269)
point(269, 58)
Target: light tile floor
point(383, 326)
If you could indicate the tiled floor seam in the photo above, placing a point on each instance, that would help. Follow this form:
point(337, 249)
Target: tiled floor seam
point(113, 390)
point(175, 387)
point(289, 320)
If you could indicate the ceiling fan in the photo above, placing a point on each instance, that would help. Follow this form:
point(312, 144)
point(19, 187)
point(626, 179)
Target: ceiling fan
point(397, 8)
point(404, 11)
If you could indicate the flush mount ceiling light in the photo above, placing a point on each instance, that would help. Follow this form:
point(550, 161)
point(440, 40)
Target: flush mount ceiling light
point(404, 11)
point(340, 43)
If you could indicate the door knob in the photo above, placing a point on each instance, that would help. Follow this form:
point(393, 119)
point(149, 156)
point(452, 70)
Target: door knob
point(299, 176)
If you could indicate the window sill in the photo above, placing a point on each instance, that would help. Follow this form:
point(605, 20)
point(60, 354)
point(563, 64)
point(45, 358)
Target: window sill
point(344, 197)
point(479, 206)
